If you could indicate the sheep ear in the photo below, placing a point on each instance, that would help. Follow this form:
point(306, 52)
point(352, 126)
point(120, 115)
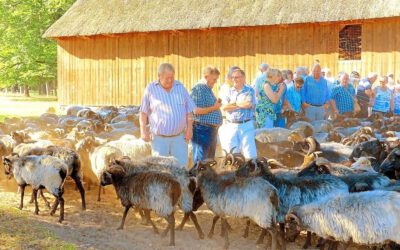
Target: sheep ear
point(116, 170)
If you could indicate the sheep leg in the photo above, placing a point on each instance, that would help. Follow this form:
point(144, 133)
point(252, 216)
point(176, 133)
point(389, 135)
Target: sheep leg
point(228, 227)
point(321, 243)
point(225, 230)
point(246, 230)
point(32, 199)
point(54, 208)
point(281, 236)
point(44, 198)
point(36, 202)
point(142, 215)
point(171, 222)
point(307, 244)
point(61, 201)
point(99, 194)
point(147, 215)
point(196, 224)
point(21, 203)
point(261, 237)
point(121, 226)
point(79, 185)
point(211, 233)
point(272, 231)
point(183, 222)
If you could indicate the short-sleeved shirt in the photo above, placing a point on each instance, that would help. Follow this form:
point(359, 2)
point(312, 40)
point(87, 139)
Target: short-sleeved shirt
point(363, 85)
point(235, 96)
point(396, 101)
point(315, 92)
point(294, 98)
point(167, 110)
point(344, 98)
point(203, 97)
point(382, 100)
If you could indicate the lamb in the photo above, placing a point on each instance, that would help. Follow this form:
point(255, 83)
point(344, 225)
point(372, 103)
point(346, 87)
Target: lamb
point(145, 190)
point(356, 217)
point(38, 171)
point(100, 159)
point(253, 198)
point(168, 165)
point(72, 161)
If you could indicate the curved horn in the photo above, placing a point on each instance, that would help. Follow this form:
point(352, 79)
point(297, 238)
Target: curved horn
point(232, 149)
point(312, 144)
point(292, 216)
point(226, 152)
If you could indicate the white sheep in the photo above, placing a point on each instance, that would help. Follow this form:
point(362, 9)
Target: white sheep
point(100, 158)
point(24, 148)
point(134, 149)
point(365, 218)
point(38, 171)
point(363, 164)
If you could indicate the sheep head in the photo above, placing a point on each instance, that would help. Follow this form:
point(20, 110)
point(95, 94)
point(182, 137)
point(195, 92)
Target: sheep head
point(293, 226)
point(309, 158)
point(114, 171)
point(363, 164)
point(8, 163)
point(203, 167)
point(391, 163)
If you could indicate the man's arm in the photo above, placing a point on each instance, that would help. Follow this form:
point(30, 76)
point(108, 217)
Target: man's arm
point(189, 127)
point(144, 127)
point(206, 110)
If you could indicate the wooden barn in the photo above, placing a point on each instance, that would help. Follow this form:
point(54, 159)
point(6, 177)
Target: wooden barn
point(108, 50)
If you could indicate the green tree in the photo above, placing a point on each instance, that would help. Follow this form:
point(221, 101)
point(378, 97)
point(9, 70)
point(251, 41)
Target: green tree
point(26, 58)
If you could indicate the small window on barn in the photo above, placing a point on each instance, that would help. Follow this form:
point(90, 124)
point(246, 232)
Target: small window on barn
point(350, 42)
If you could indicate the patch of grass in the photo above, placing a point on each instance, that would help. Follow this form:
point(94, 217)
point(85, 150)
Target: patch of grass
point(19, 231)
point(32, 98)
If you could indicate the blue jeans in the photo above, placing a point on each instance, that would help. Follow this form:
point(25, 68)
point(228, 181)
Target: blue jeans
point(204, 142)
point(171, 146)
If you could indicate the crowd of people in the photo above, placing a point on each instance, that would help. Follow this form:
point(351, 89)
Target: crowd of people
point(171, 117)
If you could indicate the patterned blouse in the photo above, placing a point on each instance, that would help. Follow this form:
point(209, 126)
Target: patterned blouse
point(265, 108)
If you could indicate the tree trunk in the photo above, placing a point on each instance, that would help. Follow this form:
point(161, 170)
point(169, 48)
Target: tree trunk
point(26, 90)
point(47, 88)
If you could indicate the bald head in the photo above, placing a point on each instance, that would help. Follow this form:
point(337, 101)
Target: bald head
point(316, 71)
point(344, 79)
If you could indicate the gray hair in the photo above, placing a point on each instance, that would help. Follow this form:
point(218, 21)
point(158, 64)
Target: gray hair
point(165, 67)
point(274, 72)
point(264, 67)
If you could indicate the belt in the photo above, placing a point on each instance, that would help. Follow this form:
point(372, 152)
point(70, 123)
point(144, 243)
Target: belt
point(315, 105)
point(170, 135)
point(206, 124)
point(240, 122)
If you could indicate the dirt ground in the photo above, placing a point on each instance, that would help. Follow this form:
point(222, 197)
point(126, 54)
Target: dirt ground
point(95, 228)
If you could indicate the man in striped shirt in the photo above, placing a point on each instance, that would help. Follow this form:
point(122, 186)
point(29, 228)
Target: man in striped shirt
point(166, 116)
point(207, 118)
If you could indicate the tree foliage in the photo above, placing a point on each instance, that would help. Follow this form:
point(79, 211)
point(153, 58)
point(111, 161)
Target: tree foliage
point(26, 58)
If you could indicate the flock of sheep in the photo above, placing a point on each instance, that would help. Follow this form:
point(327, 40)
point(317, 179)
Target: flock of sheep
point(336, 180)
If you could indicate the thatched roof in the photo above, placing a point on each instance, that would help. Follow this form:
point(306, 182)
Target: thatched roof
point(93, 17)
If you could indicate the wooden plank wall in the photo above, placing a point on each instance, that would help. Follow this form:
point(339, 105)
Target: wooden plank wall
point(114, 70)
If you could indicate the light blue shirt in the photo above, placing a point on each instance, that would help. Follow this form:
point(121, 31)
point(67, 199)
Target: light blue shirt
point(234, 96)
point(259, 82)
point(294, 98)
point(315, 92)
